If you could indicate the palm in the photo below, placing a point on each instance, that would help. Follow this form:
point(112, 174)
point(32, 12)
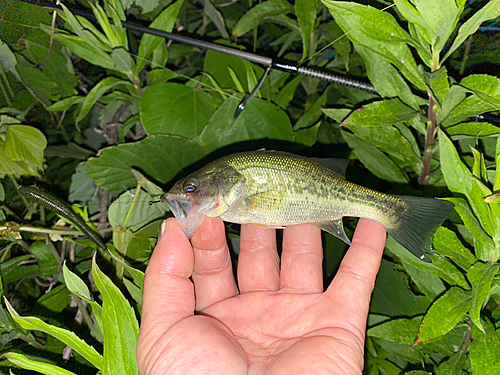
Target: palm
point(275, 325)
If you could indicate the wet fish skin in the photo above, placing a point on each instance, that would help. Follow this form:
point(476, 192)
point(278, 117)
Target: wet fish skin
point(276, 189)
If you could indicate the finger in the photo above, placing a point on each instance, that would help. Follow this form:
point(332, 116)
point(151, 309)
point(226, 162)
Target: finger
point(213, 272)
point(258, 261)
point(168, 293)
point(355, 279)
point(302, 259)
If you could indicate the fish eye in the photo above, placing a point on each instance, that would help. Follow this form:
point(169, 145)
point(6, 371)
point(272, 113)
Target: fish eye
point(190, 185)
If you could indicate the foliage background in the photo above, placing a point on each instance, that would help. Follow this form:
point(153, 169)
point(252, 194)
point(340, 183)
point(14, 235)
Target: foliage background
point(107, 119)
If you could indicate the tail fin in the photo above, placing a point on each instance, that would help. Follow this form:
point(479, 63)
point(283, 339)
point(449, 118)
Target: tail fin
point(418, 224)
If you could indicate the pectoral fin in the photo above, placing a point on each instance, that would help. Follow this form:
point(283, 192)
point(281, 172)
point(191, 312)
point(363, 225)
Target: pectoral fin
point(334, 227)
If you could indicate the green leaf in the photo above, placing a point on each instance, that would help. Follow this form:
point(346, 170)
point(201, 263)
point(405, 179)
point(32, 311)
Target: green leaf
point(431, 285)
point(259, 13)
point(480, 276)
point(486, 87)
point(438, 83)
point(305, 11)
point(392, 296)
point(313, 114)
point(473, 129)
point(378, 31)
point(308, 136)
point(439, 266)
point(489, 12)
point(8, 60)
point(286, 94)
point(454, 365)
point(175, 109)
point(161, 157)
point(64, 104)
point(120, 328)
point(484, 350)
point(483, 243)
point(142, 213)
point(385, 78)
point(447, 244)
point(56, 300)
point(216, 18)
point(259, 120)
point(75, 285)
point(374, 159)
point(47, 262)
point(40, 367)
point(14, 270)
point(402, 331)
point(123, 60)
point(97, 91)
point(444, 314)
point(164, 21)
point(64, 335)
point(460, 180)
point(381, 113)
point(25, 143)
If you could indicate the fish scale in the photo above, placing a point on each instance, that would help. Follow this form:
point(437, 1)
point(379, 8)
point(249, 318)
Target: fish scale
point(277, 189)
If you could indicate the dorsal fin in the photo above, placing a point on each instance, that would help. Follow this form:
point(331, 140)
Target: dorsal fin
point(337, 165)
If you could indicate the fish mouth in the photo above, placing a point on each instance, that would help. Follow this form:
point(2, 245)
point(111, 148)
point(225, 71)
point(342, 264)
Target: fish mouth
point(180, 207)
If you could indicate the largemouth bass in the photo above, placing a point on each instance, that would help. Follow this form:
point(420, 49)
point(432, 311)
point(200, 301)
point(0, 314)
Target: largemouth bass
point(276, 189)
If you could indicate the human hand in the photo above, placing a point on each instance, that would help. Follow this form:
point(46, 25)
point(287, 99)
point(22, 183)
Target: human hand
point(279, 322)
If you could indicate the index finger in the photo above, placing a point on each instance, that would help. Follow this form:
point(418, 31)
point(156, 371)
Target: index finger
point(168, 294)
point(355, 279)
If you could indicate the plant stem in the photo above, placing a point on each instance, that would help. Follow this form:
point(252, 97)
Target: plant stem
point(429, 142)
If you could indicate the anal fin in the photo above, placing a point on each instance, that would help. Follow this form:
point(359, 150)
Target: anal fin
point(334, 227)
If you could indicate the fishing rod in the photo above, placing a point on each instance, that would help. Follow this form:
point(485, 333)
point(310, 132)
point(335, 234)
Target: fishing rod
point(270, 63)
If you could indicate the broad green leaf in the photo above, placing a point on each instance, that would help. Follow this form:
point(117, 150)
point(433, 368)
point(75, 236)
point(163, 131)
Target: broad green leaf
point(454, 365)
point(480, 276)
point(489, 12)
point(39, 85)
point(161, 157)
point(147, 5)
point(25, 143)
point(374, 159)
point(56, 300)
point(337, 114)
point(13, 269)
point(216, 17)
point(143, 241)
point(259, 13)
point(456, 95)
point(431, 285)
point(486, 87)
point(402, 331)
point(86, 51)
point(120, 328)
point(444, 314)
point(75, 285)
point(385, 78)
point(160, 75)
point(12, 167)
point(459, 179)
point(483, 243)
point(381, 113)
point(123, 60)
point(378, 31)
point(141, 214)
point(438, 83)
point(175, 109)
point(165, 22)
point(439, 266)
point(305, 11)
point(447, 244)
point(64, 335)
point(484, 350)
point(38, 366)
point(64, 104)
point(313, 114)
point(97, 91)
point(259, 120)
point(473, 129)
point(392, 295)
point(8, 59)
point(47, 262)
point(286, 94)
point(308, 136)
point(389, 139)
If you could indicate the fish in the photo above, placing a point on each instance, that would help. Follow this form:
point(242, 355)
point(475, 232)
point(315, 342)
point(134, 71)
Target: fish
point(276, 189)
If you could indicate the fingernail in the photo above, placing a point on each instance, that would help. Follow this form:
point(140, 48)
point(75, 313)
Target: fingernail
point(162, 229)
